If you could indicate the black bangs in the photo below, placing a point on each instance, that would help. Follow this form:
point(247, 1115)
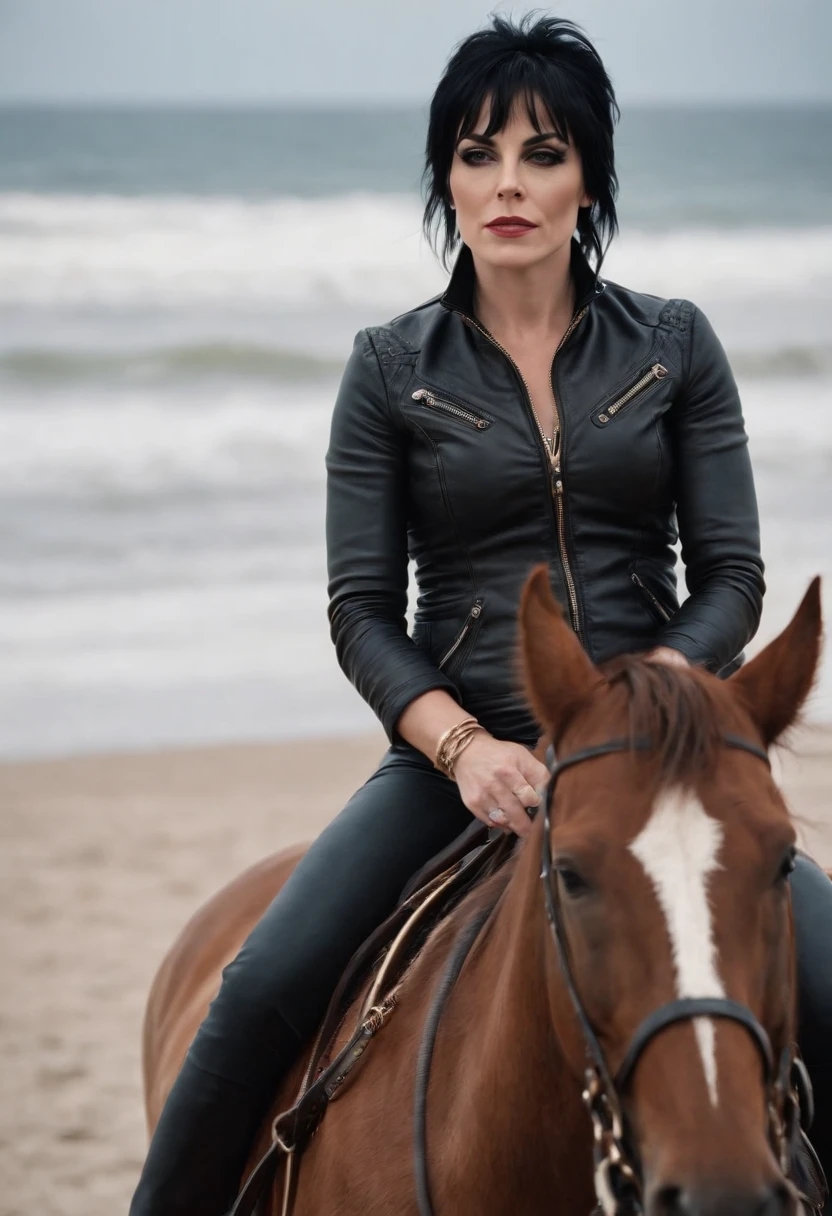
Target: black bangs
point(550, 67)
point(518, 83)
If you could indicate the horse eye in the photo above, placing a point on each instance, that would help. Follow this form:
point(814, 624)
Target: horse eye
point(787, 864)
point(573, 883)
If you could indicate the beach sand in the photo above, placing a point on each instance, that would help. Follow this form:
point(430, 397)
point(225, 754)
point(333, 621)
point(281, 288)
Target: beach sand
point(103, 860)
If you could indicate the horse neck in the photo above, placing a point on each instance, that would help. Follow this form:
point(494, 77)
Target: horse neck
point(512, 1085)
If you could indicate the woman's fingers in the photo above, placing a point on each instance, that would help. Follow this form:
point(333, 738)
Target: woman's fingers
point(526, 794)
point(498, 781)
point(667, 654)
point(514, 811)
point(535, 773)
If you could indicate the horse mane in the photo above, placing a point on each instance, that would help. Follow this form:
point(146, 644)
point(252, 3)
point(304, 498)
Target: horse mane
point(676, 708)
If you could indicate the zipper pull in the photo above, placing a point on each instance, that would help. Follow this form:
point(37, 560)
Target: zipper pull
point(654, 599)
point(657, 372)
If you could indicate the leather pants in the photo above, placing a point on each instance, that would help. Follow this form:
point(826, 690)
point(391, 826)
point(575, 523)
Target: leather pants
point(276, 990)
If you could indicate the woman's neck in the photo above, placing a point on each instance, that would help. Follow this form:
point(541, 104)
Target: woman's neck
point(516, 303)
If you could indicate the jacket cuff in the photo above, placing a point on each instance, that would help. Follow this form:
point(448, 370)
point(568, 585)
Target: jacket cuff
point(397, 700)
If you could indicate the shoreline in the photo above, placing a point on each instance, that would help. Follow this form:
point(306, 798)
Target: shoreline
point(813, 734)
point(104, 859)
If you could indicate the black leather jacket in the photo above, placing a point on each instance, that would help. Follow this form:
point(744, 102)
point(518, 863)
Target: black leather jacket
point(435, 454)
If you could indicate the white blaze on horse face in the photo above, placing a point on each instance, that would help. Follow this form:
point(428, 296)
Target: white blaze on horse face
point(678, 848)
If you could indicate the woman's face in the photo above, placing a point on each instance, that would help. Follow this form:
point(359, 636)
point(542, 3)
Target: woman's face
point(520, 173)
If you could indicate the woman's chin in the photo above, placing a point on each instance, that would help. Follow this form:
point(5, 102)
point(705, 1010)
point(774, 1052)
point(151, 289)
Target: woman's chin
point(509, 253)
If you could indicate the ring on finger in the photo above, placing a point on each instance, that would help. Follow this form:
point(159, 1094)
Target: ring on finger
point(496, 815)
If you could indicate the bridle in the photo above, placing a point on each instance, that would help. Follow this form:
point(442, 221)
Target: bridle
point(618, 1177)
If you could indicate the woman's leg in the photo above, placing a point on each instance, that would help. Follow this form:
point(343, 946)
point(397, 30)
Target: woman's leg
point(812, 907)
point(276, 990)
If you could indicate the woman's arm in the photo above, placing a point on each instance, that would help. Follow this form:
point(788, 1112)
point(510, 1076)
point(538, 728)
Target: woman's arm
point(716, 510)
point(366, 538)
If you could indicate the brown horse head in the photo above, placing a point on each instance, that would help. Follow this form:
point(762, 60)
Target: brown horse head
point(672, 873)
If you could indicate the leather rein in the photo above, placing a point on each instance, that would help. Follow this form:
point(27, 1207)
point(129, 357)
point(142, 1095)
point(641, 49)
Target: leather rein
point(618, 1176)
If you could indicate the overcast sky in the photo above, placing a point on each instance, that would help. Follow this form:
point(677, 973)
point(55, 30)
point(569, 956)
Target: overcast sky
point(382, 50)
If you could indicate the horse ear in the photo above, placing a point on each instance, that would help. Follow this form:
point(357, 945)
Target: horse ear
point(557, 673)
point(774, 684)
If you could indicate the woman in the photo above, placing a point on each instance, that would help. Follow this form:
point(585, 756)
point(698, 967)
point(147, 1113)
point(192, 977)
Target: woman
point(459, 441)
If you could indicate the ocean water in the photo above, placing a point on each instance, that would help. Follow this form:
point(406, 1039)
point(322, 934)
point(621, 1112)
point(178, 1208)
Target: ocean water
point(178, 292)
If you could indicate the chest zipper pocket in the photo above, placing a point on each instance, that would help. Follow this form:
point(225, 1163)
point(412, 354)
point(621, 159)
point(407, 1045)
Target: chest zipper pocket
point(463, 413)
point(657, 372)
point(470, 621)
point(650, 598)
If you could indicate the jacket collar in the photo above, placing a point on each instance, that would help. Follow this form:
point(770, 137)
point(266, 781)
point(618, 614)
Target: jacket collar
point(459, 294)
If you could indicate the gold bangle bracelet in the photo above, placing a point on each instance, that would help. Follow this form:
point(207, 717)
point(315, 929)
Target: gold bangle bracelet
point(461, 748)
point(448, 740)
point(453, 742)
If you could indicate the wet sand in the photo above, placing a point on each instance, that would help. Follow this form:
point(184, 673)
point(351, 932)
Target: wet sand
point(103, 860)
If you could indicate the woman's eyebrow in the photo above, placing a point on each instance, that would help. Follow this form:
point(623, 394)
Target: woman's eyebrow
point(480, 139)
point(527, 143)
point(537, 139)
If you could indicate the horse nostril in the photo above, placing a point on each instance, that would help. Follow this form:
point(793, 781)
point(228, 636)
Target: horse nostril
point(778, 1201)
point(676, 1201)
point(669, 1201)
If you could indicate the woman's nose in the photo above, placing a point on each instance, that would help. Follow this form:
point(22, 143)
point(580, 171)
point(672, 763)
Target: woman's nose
point(509, 184)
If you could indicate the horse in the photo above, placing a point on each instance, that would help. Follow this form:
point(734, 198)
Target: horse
point(659, 947)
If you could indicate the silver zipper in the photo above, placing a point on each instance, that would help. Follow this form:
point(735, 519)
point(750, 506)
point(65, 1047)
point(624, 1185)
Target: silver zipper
point(449, 407)
point(657, 604)
point(476, 611)
point(553, 456)
point(657, 372)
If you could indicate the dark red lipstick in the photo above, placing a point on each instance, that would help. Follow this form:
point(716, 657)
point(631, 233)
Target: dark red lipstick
point(510, 225)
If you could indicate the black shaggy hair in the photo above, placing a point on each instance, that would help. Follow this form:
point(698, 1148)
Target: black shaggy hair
point(543, 58)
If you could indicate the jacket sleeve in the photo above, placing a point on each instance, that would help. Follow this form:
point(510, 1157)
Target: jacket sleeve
point(366, 539)
point(716, 508)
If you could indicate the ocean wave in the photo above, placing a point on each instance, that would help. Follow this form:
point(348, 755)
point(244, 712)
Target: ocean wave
point(357, 249)
point(96, 447)
point(175, 252)
point(246, 439)
point(787, 362)
point(187, 362)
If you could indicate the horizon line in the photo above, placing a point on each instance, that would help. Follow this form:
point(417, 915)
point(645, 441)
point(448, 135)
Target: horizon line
point(378, 103)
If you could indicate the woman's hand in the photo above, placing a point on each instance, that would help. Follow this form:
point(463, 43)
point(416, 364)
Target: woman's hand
point(666, 654)
point(498, 780)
